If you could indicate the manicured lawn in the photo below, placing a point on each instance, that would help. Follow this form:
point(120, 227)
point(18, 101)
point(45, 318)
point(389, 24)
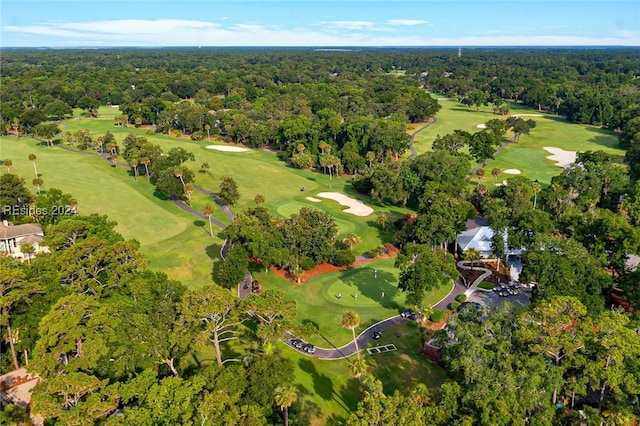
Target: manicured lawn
point(404, 368)
point(528, 154)
point(317, 300)
point(452, 116)
point(259, 171)
point(174, 241)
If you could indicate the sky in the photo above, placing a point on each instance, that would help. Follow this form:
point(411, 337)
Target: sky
point(375, 23)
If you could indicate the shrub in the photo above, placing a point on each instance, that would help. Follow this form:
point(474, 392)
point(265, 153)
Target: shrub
point(197, 136)
point(343, 258)
point(436, 315)
point(486, 285)
point(454, 305)
point(461, 297)
point(307, 263)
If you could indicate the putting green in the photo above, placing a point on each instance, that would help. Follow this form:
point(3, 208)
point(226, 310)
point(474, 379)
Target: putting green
point(369, 282)
point(288, 208)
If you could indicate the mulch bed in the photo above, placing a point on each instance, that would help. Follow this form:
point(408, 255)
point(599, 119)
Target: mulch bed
point(497, 276)
point(323, 268)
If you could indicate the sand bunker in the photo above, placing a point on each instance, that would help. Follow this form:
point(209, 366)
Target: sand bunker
point(313, 199)
point(227, 148)
point(527, 115)
point(512, 171)
point(562, 158)
point(481, 126)
point(356, 207)
point(444, 99)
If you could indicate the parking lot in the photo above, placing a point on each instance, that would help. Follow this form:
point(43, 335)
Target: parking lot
point(520, 297)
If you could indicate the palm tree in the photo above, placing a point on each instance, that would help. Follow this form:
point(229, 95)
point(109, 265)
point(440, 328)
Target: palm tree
point(188, 189)
point(472, 254)
point(207, 128)
point(371, 156)
point(7, 163)
point(322, 145)
point(480, 173)
point(383, 220)
point(16, 126)
point(134, 165)
point(358, 368)
point(351, 320)
point(536, 188)
point(259, 199)
point(300, 148)
point(204, 168)
point(285, 397)
point(178, 173)
point(351, 240)
point(146, 163)
point(28, 249)
point(495, 172)
point(37, 182)
point(208, 211)
point(32, 158)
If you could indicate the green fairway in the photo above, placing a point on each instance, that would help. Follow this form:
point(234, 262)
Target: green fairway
point(528, 155)
point(174, 241)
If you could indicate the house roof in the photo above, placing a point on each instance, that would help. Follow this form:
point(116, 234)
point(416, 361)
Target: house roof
point(15, 231)
point(478, 238)
point(476, 222)
point(31, 239)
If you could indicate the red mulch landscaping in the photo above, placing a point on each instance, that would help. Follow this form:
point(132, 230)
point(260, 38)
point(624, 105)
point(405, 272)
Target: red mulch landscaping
point(324, 268)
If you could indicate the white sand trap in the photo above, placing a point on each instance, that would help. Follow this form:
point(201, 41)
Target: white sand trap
point(356, 207)
point(227, 148)
point(313, 199)
point(562, 158)
point(481, 126)
point(444, 99)
point(512, 171)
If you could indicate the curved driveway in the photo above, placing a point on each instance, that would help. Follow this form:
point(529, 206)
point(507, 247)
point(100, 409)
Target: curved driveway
point(366, 336)
point(363, 339)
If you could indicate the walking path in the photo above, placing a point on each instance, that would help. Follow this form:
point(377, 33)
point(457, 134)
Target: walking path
point(181, 204)
point(414, 153)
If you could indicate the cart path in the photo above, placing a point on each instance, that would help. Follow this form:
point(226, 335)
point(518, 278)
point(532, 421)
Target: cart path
point(363, 340)
point(414, 153)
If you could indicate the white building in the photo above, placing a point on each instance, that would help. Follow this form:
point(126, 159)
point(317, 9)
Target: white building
point(13, 237)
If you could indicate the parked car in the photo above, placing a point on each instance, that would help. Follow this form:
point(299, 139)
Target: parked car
point(406, 313)
point(309, 348)
point(297, 343)
point(377, 335)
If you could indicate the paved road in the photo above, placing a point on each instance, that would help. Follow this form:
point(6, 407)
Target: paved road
point(363, 339)
point(193, 211)
point(217, 199)
point(414, 153)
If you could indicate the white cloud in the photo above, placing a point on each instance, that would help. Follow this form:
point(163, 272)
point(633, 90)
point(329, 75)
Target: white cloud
point(168, 32)
point(407, 22)
point(348, 25)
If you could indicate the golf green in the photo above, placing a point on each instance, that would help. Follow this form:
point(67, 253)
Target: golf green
point(364, 287)
point(287, 208)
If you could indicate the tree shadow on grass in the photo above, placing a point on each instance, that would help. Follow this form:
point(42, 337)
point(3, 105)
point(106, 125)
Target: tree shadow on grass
point(322, 384)
point(305, 410)
point(374, 284)
point(213, 251)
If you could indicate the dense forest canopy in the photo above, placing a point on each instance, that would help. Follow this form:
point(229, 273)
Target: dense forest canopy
point(109, 336)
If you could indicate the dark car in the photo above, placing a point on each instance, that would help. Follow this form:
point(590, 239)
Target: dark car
point(406, 313)
point(297, 343)
point(309, 348)
point(377, 334)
